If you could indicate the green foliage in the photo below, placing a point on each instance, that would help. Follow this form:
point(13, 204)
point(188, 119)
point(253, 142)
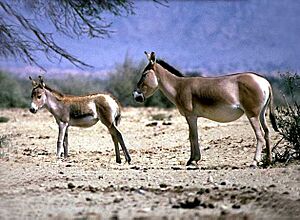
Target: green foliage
point(123, 81)
point(288, 120)
point(76, 85)
point(10, 92)
point(279, 86)
point(3, 119)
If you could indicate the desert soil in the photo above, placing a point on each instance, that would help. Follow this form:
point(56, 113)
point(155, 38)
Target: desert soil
point(34, 184)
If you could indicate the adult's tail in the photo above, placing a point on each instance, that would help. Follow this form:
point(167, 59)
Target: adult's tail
point(272, 115)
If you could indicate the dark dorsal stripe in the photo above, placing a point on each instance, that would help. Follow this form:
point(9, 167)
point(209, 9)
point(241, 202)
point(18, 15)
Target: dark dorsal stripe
point(170, 68)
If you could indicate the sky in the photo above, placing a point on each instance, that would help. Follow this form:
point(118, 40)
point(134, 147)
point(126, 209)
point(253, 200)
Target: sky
point(211, 36)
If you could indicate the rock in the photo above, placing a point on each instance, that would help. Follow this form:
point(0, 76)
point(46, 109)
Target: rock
point(92, 189)
point(167, 123)
point(163, 185)
point(152, 124)
point(223, 183)
point(176, 168)
point(118, 200)
point(71, 185)
point(210, 179)
point(236, 206)
point(211, 206)
point(190, 204)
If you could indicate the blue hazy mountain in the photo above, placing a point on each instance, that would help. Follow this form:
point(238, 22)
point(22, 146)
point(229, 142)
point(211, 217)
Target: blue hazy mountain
point(212, 36)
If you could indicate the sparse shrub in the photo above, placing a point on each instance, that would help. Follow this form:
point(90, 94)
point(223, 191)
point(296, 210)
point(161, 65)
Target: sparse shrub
point(3, 119)
point(76, 84)
point(11, 95)
point(288, 121)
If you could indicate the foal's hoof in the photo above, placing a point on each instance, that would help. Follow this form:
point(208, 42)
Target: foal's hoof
point(254, 164)
point(129, 160)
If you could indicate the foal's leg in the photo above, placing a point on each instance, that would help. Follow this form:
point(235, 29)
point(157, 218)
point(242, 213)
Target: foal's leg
point(66, 150)
point(117, 150)
point(193, 136)
point(254, 121)
point(62, 127)
point(118, 136)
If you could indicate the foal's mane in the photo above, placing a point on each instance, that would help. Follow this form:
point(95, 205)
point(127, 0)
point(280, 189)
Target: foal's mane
point(56, 93)
point(170, 68)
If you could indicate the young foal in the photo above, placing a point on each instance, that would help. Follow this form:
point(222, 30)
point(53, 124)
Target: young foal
point(80, 111)
point(222, 99)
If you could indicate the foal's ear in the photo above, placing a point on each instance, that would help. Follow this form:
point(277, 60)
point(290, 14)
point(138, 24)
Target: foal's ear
point(34, 83)
point(42, 81)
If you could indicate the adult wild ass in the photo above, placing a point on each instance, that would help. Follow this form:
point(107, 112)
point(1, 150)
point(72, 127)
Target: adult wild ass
point(79, 111)
point(221, 99)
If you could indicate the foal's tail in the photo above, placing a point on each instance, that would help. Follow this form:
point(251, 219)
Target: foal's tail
point(272, 114)
point(118, 118)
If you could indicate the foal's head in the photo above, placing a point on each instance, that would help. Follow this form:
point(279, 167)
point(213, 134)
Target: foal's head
point(38, 96)
point(148, 83)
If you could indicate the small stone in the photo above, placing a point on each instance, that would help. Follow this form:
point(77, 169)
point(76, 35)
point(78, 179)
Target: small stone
point(210, 179)
point(71, 185)
point(152, 124)
point(223, 183)
point(211, 206)
point(236, 206)
point(163, 185)
point(118, 200)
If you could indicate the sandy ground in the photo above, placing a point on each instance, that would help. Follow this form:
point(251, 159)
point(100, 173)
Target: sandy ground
point(156, 185)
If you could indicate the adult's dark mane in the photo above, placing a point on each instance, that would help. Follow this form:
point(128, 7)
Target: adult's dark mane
point(170, 68)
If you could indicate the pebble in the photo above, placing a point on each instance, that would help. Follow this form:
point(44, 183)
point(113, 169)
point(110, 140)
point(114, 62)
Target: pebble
point(210, 179)
point(163, 185)
point(71, 185)
point(118, 200)
point(236, 206)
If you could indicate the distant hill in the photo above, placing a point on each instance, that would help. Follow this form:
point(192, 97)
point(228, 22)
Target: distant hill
point(212, 37)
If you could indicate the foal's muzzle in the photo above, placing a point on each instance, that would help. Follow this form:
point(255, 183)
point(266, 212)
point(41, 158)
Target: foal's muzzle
point(33, 110)
point(138, 96)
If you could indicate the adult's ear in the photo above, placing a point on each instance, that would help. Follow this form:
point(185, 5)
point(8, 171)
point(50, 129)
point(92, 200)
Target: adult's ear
point(151, 57)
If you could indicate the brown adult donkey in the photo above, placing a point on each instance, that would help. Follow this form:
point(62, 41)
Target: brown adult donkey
point(79, 111)
point(221, 99)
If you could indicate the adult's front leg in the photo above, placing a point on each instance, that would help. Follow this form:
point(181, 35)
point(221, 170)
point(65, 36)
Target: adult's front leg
point(193, 136)
point(66, 143)
point(62, 127)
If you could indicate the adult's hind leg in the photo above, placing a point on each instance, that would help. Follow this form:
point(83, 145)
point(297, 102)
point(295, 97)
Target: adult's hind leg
point(255, 123)
point(118, 137)
point(193, 137)
point(262, 119)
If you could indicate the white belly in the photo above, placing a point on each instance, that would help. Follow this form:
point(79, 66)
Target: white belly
point(87, 121)
point(224, 113)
